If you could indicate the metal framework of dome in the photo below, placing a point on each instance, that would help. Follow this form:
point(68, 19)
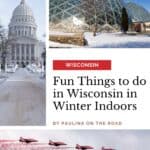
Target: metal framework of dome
point(62, 12)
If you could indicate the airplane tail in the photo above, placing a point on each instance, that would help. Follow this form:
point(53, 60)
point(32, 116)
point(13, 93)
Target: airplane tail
point(21, 139)
point(51, 142)
point(78, 146)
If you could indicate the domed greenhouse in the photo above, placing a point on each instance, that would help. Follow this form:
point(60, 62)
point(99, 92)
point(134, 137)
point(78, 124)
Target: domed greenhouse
point(75, 15)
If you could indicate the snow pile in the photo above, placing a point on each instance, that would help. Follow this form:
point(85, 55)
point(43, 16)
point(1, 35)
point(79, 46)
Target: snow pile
point(117, 40)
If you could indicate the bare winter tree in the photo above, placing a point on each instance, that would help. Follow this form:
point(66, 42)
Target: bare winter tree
point(90, 10)
point(3, 47)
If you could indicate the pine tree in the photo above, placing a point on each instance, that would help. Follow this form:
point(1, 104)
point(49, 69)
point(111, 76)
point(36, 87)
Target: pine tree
point(124, 20)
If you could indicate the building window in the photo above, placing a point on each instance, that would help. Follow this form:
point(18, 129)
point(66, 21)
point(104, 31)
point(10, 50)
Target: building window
point(22, 49)
point(32, 59)
point(13, 57)
point(18, 50)
point(13, 52)
point(13, 49)
point(27, 50)
point(32, 50)
point(19, 32)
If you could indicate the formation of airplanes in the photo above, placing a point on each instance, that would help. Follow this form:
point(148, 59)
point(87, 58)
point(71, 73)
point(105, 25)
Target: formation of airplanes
point(59, 143)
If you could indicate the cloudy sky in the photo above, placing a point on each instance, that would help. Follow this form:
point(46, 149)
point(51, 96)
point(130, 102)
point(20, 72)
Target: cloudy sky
point(118, 139)
point(39, 11)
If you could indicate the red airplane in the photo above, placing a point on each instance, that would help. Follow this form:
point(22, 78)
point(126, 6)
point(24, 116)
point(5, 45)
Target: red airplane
point(56, 143)
point(107, 148)
point(83, 147)
point(27, 140)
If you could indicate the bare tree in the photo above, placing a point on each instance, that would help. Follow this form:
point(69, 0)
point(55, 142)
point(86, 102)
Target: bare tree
point(3, 47)
point(90, 9)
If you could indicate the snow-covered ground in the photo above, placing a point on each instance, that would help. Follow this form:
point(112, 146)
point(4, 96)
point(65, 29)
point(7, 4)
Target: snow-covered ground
point(112, 40)
point(22, 99)
point(117, 40)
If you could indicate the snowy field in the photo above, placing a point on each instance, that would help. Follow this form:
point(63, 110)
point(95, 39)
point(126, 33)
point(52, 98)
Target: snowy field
point(112, 40)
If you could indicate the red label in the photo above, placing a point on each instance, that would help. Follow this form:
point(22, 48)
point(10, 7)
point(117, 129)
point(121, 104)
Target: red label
point(81, 64)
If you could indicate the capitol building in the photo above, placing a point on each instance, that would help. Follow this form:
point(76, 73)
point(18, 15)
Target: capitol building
point(24, 47)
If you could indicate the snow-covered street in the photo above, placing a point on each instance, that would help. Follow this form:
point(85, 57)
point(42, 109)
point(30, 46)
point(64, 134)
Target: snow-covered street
point(112, 40)
point(22, 99)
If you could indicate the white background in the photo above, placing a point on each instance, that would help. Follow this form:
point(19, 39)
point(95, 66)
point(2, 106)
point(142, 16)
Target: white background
point(126, 63)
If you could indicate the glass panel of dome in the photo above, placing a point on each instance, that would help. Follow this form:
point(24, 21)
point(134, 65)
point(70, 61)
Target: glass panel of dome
point(74, 2)
point(58, 16)
point(73, 11)
point(67, 6)
point(66, 15)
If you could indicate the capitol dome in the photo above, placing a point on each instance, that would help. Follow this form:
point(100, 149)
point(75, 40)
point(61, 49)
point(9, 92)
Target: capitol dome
point(23, 43)
point(23, 9)
point(22, 22)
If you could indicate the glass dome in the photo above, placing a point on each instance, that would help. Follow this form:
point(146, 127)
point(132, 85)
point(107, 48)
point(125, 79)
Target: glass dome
point(79, 11)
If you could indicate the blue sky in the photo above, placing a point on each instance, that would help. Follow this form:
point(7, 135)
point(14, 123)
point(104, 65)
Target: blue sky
point(37, 6)
point(118, 139)
point(145, 3)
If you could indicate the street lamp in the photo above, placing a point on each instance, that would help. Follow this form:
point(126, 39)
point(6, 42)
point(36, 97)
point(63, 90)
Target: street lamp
point(4, 55)
point(44, 61)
